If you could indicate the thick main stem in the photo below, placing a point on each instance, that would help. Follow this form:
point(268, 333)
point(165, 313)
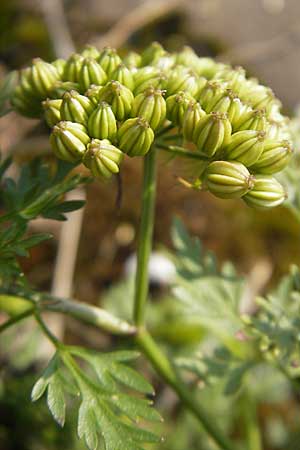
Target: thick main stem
point(143, 339)
point(145, 237)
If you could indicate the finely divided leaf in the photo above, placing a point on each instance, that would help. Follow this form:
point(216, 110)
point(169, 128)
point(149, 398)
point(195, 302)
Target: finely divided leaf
point(106, 410)
point(53, 382)
point(210, 295)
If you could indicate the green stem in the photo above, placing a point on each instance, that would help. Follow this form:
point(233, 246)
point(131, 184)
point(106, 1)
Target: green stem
point(84, 312)
point(17, 318)
point(145, 237)
point(57, 344)
point(164, 368)
point(165, 130)
point(253, 436)
point(143, 339)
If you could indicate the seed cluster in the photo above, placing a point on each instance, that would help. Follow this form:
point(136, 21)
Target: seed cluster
point(101, 107)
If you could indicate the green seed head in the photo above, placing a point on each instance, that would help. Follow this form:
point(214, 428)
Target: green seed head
point(135, 137)
point(212, 132)
point(228, 179)
point(151, 53)
point(90, 51)
point(234, 78)
point(221, 100)
point(212, 92)
point(91, 73)
point(93, 93)
point(148, 77)
point(60, 87)
point(42, 77)
point(69, 141)
point(52, 111)
point(182, 79)
point(25, 104)
point(76, 107)
point(246, 146)
point(59, 64)
point(177, 106)
point(274, 158)
point(256, 120)
point(187, 57)
point(73, 68)
point(102, 158)
point(124, 76)
point(164, 62)
point(266, 192)
point(109, 60)
point(151, 106)
point(102, 122)
point(119, 97)
point(132, 60)
point(192, 116)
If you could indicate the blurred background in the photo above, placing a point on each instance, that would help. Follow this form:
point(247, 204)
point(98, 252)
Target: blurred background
point(89, 253)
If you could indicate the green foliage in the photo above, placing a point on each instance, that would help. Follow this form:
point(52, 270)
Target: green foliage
point(271, 336)
point(210, 294)
point(106, 408)
point(222, 365)
point(37, 192)
point(276, 326)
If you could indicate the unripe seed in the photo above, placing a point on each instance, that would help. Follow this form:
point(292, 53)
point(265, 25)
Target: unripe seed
point(52, 111)
point(212, 132)
point(42, 77)
point(164, 62)
point(93, 93)
point(91, 73)
point(102, 122)
point(182, 79)
point(207, 67)
point(135, 137)
point(274, 158)
point(109, 60)
point(278, 129)
point(59, 64)
point(235, 78)
point(90, 51)
point(177, 106)
point(255, 121)
point(154, 50)
point(26, 84)
point(124, 76)
point(119, 97)
point(73, 67)
point(69, 141)
point(188, 58)
point(221, 102)
point(238, 113)
point(60, 87)
point(192, 116)
point(210, 95)
point(102, 158)
point(228, 179)
point(266, 192)
point(148, 77)
point(151, 106)
point(25, 104)
point(132, 60)
point(76, 107)
point(246, 146)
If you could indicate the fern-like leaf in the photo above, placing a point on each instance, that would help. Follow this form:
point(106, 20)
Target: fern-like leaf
point(106, 408)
